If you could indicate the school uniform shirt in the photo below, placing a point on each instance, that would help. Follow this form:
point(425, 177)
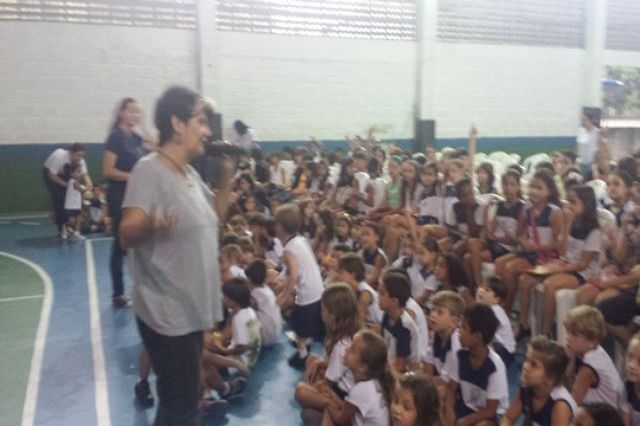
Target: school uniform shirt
point(543, 417)
point(421, 278)
point(401, 338)
point(349, 242)
point(374, 313)
point(363, 182)
point(504, 332)
point(543, 224)
point(608, 387)
point(268, 314)
point(507, 221)
point(277, 175)
point(449, 196)
point(372, 409)
point(309, 285)
point(379, 186)
point(412, 198)
point(245, 330)
point(60, 158)
point(237, 272)
point(476, 386)
point(336, 371)
point(579, 242)
point(458, 216)
point(630, 402)
point(73, 197)
point(443, 354)
point(275, 252)
point(423, 328)
point(430, 207)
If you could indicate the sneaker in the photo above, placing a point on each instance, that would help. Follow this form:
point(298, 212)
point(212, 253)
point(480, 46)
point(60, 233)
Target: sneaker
point(523, 333)
point(210, 405)
point(122, 302)
point(297, 362)
point(236, 387)
point(64, 234)
point(77, 237)
point(144, 397)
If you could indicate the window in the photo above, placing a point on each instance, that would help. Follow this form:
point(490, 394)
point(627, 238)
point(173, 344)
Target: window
point(623, 25)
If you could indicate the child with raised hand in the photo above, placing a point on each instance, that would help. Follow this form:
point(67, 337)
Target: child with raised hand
point(374, 257)
point(542, 399)
point(369, 399)
point(415, 401)
point(596, 377)
point(398, 328)
point(244, 342)
point(304, 284)
point(492, 295)
point(351, 271)
point(444, 318)
point(477, 392)
point(630, 401)
point(341, 321)
point(263, 301)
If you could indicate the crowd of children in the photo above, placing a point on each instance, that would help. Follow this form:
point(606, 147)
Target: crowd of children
point(382, 256)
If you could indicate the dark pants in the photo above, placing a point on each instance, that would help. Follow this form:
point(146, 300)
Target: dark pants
point(176, 362)
point(115, 197)
point(56, 194)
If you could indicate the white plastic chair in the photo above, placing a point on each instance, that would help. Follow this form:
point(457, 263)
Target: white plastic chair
point(532, 161)
point(565, 301)
point(599, 187)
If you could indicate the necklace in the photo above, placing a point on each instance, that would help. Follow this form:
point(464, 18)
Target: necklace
point(181, 170)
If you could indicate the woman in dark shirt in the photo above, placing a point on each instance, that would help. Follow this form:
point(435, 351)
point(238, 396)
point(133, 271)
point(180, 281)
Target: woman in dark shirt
point(122, 150)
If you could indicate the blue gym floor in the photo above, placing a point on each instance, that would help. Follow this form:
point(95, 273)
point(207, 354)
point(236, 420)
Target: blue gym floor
point(90, 357)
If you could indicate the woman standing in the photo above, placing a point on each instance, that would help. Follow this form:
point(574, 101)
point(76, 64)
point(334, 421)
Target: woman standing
point(170, 222)
point(123, 149)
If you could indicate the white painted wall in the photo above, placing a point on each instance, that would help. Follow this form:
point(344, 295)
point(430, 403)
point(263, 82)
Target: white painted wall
point(61, 82)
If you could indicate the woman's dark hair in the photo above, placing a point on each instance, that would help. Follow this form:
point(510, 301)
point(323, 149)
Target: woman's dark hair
point(603, 414)
point(547, 178)
point(488, 168)
point(425, 397)
point(122, 105)
point(588, 220)
point(326, 217)
point(455, 271)
point(175, 101)
point(409, 187)
point(629, 165)
point(513, 174)
point(77, 147)
point(345, 179)
point(240, 127)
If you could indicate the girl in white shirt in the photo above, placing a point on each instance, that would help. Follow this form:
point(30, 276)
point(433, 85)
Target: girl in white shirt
point(367, 404)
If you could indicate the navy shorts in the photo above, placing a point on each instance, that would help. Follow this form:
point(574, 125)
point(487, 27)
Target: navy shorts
point(620, 309)
point(497, 250)
point(463, 411)
point(507, 357)
point(306, 321)
point(530, 256)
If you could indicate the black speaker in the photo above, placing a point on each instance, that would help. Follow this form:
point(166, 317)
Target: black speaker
point(425, 135)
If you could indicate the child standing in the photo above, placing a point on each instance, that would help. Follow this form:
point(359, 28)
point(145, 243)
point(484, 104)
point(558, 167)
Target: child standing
point(443, 321)
point(477, 393)
point(492, 295)
point(73, 205)
point(542, 399)
point(368, 401)
point(415, 402)
point(398, 329)
point(264, 303)
point(341, 321)
point(304, 282)
point(596, 379)
point(351, 271)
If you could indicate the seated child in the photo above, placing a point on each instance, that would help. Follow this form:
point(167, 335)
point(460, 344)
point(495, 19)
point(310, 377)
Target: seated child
point(451, 276)
point(492, 295)
point(478, 392)
point(374, 257)
point(596, 377)
point(427, 284)
point(240, 226)
point(248, 251)
point(630, 401)
point(263, 301)
point(343, 232)
point(415, 401)
point(331, 261)
point(443, 321)
point(230, 258)
point(398, 329)
point(597, 414)
point(244, 340)
point(327, 375)
point(351, 271)
point(542, 399)
point(368, 400)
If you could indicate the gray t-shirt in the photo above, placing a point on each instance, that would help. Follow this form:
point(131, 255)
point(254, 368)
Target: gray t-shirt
point(176, 277)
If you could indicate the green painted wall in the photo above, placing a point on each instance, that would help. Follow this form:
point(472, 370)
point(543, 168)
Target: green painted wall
point(22, 189)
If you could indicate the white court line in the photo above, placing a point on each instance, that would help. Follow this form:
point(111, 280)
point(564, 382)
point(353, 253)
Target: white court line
point(26, 216)
point(100, 239)
point(4, 222)
point(99, 368)
point(31, 397)
point(15, 299)
point(29, 223)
